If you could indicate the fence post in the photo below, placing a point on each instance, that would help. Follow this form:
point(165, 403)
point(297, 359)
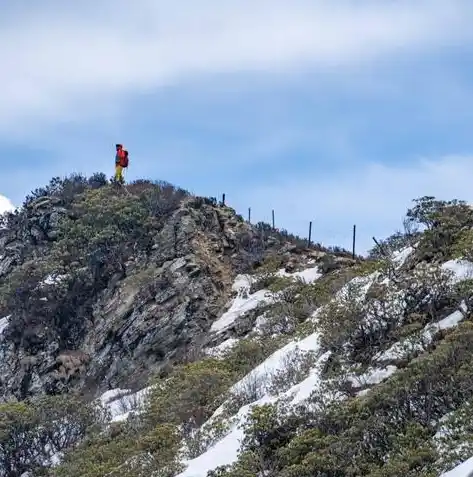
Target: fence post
point(272, 213)
point(310, 233)
point(382, 248)
point(354, 241)
point(249, 215)
point(223, 199)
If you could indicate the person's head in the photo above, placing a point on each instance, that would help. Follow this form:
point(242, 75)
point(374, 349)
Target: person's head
point(118, 147)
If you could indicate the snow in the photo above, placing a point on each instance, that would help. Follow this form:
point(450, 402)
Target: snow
point(4, 323)
point(276, 360)
point(53, 279)
point(401, 349)
point(220, 350)
point(360, 284)
point(461, 269)
point(108, 396)
point(453, 319)
point(308, 275)
point(372, 377)
point(225, 451)
point(401, 256)
point(463, 470)
point(121, 402)
point(243, 302)
point(304, 389)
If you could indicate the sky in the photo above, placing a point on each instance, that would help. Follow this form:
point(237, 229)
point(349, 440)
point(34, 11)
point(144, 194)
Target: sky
point(338, 112)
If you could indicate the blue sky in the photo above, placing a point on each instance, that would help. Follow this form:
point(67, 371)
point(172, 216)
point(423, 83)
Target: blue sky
point(338, 111)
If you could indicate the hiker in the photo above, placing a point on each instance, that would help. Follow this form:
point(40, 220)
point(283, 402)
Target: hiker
point(121, 162)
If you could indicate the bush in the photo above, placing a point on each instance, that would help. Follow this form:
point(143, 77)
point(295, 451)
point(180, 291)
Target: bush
point(66, 189)
point(444, 222)
point(266, 431)
point(34, 433)
point(104, 226)
point(190, 395)
point(396, 418)
point(249, 353)
point(294, 368)
point(123, 452)
point(160, 197)
point(251, 388)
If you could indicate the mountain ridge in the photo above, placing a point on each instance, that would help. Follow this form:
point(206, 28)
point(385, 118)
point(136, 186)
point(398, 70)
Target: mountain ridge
point(169, 337)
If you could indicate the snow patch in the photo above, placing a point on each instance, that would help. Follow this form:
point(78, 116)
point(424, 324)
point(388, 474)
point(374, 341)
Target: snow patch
point(221, 349)
point(225, 451)
point(53, 279)
point(308, 275)
point(276, 360)
point(4, 323)
point(371, 377)
point(362, 285)
point(243, 302)
point(122, 402)
point(402, 349)
point(463, 470)
point(461, 269)
point(399, 257)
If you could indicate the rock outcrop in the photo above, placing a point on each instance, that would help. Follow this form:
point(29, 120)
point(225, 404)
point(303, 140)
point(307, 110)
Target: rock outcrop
point(155, 310)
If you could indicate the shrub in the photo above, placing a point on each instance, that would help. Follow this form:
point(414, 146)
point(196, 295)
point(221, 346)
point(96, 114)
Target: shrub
point(103, 226)
point(67, 188)
point(249, 353)
point(248, 390)
point(33, 433)
point(454, 439)
point(294, 368)
point(190, 395)
point(160, 198)
point(266, 430)
point(444, 223)
point(271, 281)
point(392, 420)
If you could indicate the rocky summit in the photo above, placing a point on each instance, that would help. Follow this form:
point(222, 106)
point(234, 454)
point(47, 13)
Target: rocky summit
point(146, 331)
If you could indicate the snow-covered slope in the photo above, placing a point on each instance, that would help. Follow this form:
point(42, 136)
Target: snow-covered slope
point(225, 450)
point(463, 470)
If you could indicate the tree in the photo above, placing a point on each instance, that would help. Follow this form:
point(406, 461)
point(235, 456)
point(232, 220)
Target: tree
point(34, 433)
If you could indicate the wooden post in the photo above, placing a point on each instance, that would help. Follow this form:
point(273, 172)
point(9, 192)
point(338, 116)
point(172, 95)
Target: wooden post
point(223, 199)
point(310, 233)
point(354, 241)
point(272, 213)
point(382, 248)
point(249, 215)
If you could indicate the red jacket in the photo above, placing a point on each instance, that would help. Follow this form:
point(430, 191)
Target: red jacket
point(120, 158)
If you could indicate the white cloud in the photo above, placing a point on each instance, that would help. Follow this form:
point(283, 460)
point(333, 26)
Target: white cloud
point(62, 63)
point(5, 205)
point(375, 197)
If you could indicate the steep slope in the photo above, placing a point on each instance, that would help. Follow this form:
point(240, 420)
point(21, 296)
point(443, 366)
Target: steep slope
point(218, 348)
point(103, 289)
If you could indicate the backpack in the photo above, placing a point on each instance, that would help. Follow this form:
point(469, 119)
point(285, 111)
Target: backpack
point(124, 160)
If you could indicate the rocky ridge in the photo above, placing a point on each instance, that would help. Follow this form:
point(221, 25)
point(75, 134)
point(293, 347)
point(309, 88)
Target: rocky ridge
point(151, 311)
point(218, 348)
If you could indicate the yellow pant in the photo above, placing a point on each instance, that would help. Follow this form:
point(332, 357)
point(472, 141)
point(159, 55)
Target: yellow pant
point(119, 173)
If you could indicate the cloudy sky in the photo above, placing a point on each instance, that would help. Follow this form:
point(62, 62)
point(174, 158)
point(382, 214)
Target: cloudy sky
point(336, 111)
